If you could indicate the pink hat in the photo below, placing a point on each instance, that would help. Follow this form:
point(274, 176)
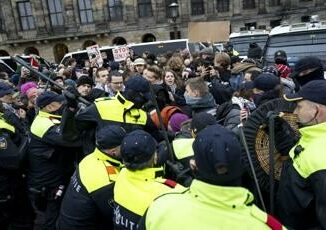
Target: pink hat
point(32, 93)
point(176, 120)
point(27, 86)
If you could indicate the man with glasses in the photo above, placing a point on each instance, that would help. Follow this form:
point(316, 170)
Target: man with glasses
point(115, 83)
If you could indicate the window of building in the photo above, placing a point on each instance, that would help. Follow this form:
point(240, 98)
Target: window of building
point(222, 5)
point(145, 8)
point(167, 8)
point(275, 2)
point(55, 12)
point(249, 4)
point(85, 11)
point(197, 7)
point(251, 25)
point(25, 15)
point(115, 10)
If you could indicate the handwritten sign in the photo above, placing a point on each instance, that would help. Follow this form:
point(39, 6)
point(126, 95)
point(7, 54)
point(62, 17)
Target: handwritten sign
point(120, 53)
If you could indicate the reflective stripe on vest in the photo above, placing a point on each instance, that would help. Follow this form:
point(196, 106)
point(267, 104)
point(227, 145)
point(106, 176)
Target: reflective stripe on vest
point(5, 125)
point(95, 171)
point(118, 109)
point(183, 148)
point(43, 122)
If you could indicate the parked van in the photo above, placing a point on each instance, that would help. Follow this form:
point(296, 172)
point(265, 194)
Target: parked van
point(297, 40)
point(156, 48)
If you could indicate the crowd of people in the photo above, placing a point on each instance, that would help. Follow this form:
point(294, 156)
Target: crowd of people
point(153, 143)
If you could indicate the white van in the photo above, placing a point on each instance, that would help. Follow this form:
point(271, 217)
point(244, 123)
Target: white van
point(158, 47)
point(297, 40)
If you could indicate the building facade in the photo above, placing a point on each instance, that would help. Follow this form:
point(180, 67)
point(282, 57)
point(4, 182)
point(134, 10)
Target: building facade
point(52, 28)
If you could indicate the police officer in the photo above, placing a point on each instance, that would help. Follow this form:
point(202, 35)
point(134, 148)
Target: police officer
point(85, 205)
point(50, 160)
point(215, 199)
point(139, 183)
point(302, 188)
point(15, 208)
point(124, 109)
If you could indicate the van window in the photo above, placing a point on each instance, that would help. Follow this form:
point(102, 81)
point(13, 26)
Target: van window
point(297, 45)
point(159, 47)
point(5, 68)
point(241, 44)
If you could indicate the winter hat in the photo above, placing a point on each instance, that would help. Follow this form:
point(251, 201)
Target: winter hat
point(176, 120)
point(85, 80)
point(202, 120)
point(137, 147)
point(110, 136)
point(27, 86)
point(218, 156)
point(266, 82)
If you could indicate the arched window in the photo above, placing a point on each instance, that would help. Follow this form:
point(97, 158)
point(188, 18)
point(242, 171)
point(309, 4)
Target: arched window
point(88, 43)
point(119, 41)
point(59, 51)
point(148, 38)
point(31, 50)
point(4, 53)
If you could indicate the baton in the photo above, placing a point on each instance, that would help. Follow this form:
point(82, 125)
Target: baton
point(244, 142)
point(271, 134)
point(162, 127)
point(42, 75)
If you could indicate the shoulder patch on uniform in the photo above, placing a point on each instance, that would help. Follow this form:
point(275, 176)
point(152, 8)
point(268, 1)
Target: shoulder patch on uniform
point(170, 183)
point(3, 143)
point(273, 223)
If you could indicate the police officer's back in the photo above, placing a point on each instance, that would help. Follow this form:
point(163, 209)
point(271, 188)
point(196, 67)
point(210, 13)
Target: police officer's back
point(124, 109)
point(13, 192)
point(50, 159)
point(139, 183)
point(215, 199)
point(86, 203)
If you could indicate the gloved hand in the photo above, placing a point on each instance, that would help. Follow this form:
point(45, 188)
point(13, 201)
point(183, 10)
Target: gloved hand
point(170, 134)
point(284, 136)
point(162, 154)
point(71, 95)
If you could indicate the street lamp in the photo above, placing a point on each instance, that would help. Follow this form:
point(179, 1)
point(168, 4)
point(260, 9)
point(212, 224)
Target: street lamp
point(174, 14)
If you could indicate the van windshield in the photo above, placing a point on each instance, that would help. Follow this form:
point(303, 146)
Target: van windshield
point(241, 44)
point(297, 45)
